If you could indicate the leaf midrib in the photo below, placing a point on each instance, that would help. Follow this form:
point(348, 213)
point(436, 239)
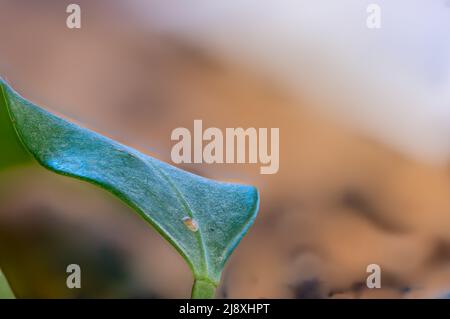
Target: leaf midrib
point(184, 203)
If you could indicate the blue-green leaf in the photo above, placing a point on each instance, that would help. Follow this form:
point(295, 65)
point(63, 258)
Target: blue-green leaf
point(202, 218)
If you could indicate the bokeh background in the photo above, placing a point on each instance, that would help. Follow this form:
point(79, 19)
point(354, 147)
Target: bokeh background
point(364, 118)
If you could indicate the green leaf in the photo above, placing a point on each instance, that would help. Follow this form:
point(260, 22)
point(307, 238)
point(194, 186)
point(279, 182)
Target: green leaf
point(5, 290)
point(12, 152)
point(203, 219)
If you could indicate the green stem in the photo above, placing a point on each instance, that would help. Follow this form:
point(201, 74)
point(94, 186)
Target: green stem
point(203, 289)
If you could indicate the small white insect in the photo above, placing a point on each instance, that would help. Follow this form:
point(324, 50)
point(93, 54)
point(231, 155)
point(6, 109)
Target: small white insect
point(190, 223)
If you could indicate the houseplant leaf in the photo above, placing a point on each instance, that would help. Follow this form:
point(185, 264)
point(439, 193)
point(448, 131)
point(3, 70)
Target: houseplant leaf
point(5, 290)
point(203, 219)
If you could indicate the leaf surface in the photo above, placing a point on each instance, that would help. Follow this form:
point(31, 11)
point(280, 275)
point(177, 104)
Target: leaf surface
point(202, 218)
point(12, 152)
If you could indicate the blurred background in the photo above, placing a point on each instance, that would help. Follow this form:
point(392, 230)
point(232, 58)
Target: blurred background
point(364, 118)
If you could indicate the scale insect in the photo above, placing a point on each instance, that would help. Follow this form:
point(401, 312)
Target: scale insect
point(190, 223)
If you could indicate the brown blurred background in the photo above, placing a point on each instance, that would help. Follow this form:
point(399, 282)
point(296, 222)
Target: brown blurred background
point(341, 200)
